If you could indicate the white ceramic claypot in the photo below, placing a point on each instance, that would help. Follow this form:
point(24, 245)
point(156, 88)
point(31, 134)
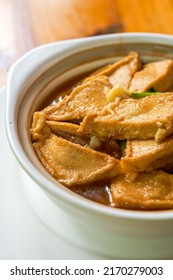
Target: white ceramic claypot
point(115, 233)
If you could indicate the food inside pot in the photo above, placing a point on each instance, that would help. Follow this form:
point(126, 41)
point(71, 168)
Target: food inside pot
point(110, 137)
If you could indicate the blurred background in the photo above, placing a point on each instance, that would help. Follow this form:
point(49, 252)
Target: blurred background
point(25, 24)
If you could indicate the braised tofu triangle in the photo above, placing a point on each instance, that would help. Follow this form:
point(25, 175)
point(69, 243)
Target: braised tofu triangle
point(69, 131)
point(148, 191)
point(85, 98)
point(70, 163)
point(157, 75)
point(147, 155)
point(121, 72)
point(132, 118)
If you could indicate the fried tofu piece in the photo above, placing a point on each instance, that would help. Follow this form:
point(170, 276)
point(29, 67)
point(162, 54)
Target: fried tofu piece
point(70, 163)
point(63, 127)
point(39, 131)
point(157, 75)
point(132, 118)
point(69, 131)
point(149, 191)
point(122, 71)
point(85, 98)
point(148, 155)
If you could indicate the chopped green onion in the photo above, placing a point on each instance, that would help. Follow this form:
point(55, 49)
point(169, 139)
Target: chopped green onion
point(142, 94)
point(122, 145)
point(148, 92)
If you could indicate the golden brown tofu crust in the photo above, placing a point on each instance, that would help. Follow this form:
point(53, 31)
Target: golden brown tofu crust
point(70, 163)
point(132, 118)
point(148, 155)
point(149, 191)
point(157, 75)
point(85, 98)
point(68, 131)
point(121, 72)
